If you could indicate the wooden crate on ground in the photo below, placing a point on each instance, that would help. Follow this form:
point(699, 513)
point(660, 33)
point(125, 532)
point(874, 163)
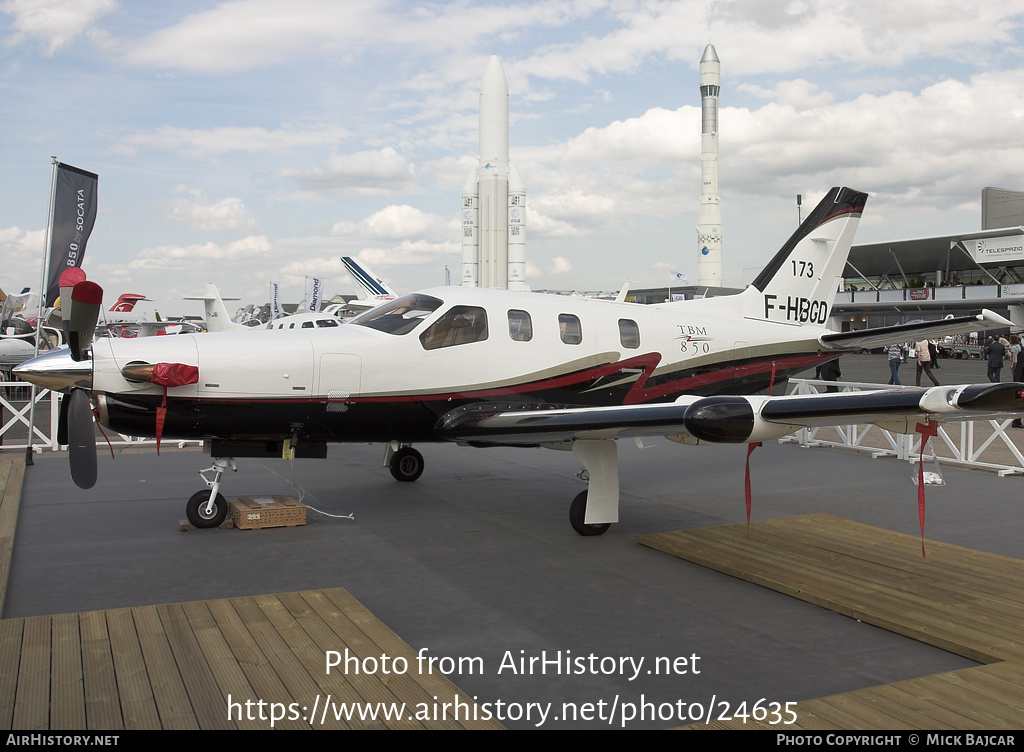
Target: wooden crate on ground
point(252, 513)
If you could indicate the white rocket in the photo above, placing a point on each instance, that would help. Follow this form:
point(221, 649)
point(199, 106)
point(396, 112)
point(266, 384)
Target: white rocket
point(709, 218)
point(494, 200)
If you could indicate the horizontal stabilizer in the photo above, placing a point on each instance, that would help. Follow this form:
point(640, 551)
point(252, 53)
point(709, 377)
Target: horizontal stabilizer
point(887, 335)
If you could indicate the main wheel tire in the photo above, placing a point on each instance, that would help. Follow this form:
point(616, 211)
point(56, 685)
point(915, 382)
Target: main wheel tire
point(577, 515)
point(199, 517)
point(406, 465)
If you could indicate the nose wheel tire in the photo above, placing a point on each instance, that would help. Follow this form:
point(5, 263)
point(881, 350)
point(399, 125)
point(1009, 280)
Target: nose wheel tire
point(406, 465)
point(578, 513)
point(201, 514)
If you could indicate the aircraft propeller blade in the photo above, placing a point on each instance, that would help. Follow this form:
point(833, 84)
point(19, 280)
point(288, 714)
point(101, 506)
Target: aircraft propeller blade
point(85, 312)
point(62, 420)
point(81, 439)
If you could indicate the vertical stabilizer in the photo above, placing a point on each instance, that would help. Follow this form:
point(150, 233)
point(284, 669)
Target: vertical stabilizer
point(799, 285)
point(217, 317)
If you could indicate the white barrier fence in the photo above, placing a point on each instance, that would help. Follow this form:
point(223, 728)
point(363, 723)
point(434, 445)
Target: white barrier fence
point(982, 444)
point(15, 408)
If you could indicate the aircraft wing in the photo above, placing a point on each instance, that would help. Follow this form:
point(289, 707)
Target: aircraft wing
point(886, 335)
point(730, 419)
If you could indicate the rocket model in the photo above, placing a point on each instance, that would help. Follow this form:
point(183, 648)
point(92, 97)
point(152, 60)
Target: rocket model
point(493, 200)
point(709, 218)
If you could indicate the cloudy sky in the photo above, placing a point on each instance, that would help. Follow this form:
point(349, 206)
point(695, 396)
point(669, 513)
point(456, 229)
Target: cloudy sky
point(254, 140)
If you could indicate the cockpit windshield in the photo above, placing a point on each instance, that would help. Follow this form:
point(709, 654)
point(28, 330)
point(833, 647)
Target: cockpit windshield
point(399, 316)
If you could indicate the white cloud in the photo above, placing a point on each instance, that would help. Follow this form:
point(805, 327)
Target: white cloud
point(54, 22)
point(205, 142)
point(205, 255)
point(22, 253)
point(364, 173)
point(560, 265)
point(246, 34)
point(199, 214)
point(396, 223)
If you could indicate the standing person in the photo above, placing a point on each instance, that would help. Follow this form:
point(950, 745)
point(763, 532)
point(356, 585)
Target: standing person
point(994, 352)
point(1018, 369)
point(924, 362)
point(896, 357)
point(933, 351)
point(830, 372)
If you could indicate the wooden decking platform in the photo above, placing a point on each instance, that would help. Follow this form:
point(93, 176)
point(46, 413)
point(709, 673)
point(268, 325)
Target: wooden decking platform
point(967, 602)
point(175, 666)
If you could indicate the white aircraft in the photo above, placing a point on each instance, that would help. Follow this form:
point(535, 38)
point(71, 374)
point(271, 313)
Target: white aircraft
point(219, 320)
point(484, 367)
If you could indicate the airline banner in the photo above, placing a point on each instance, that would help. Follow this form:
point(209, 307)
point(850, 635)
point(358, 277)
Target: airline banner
point(314, 291)
point(74, 214)
point(989, 250)
point(275, 301)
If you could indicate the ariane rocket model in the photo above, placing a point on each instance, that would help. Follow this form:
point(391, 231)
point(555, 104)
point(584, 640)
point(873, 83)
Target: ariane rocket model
point(709, 218)
point(494, 200)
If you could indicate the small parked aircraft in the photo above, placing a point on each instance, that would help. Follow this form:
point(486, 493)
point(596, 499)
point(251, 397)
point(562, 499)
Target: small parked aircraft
point(483, 367)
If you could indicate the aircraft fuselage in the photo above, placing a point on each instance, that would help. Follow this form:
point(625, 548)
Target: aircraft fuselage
point(392, 376)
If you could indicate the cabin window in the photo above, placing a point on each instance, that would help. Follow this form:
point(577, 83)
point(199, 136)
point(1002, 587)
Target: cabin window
point(569, 329)
point(400, 316)
point(459, 326)
point(629, 334)
point(520, 326)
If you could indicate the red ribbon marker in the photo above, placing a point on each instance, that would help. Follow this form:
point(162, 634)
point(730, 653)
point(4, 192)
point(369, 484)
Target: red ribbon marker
point(746, 482)
point(927, 430)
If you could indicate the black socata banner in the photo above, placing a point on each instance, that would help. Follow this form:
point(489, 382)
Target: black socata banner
point(74, 213)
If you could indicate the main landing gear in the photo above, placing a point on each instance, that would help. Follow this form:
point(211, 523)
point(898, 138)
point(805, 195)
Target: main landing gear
point(404, 462)
point(578, 513)
point(209, 508)
point(600, 460)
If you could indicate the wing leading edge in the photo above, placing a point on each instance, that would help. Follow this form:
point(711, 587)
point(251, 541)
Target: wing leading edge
point(729, 419)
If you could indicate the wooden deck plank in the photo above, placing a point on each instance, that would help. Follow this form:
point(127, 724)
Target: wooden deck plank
point(266, 684)
point(231, 681)
point(102, 708)
point(339, 687)
point(12, 476)
point(32, 703)
point(208, 705)
point(138, 706)
point(367, 687)
point(306, 632)
point(298, 683)
point(67, 689)
point(172, 701)
point(10, 662)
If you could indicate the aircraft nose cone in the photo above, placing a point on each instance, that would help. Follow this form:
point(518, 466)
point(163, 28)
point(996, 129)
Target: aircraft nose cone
point(56, 370)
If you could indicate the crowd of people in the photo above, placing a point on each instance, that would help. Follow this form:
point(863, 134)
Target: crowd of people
point(997, 350)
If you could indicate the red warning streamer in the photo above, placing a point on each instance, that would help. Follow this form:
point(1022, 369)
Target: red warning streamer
point(927, 430)
point(746, 481)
